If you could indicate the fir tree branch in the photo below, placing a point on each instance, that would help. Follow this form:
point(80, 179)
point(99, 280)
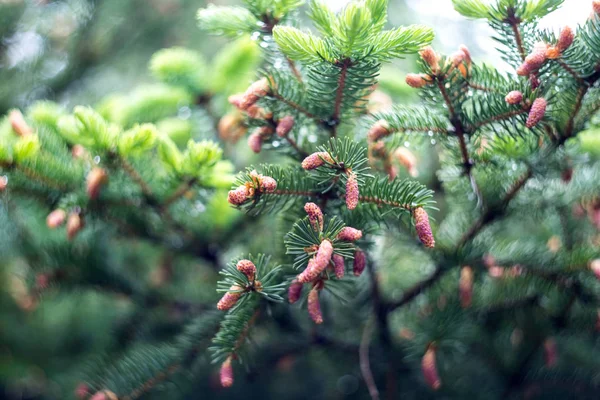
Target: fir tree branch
point(501, 117)
point(365, 367)
point(491, 214)
point(381, 202)
point(179, 192)
point(570, 71)
point(410, 294)
point(136, 177)
point(295, 106)
point(482, 88)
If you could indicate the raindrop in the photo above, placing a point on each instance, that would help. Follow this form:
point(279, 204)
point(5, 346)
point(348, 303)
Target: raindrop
point(255, 35)
point(264, 45)
point(276, 143)
point(97, 159)
point(184, 113)
point(278, 64)
point(433, 141)
point(406, 144)
point(430, 133)
point(312, 138)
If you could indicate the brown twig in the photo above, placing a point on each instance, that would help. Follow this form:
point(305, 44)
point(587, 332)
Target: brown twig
point(339, 96)
point(514, 22)
point(381, 202)
point(295, 106)
point(294, 69)
point(180, 191)
point(410, 294)
point(136, 177)
point(365, 366)
point(570, 70)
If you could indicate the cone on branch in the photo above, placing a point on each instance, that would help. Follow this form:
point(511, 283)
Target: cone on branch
point(338, 266)
point(229, 299)
point(513, 98)
point(352, 191)
point(294, 291)
point(429, 368)
point(359, 263)
point(408, 160)
point(315, 216)
point(466, 286)
point(423, 227)
point(56, 218)
point(247, 268)
point(284, 126)
point(18, 123)
point(226, 373)
point(96, 178)
point(431, 58)
point(379, 129)
point(537, 112)
point(314, 307)
point(316, 160)
point(349, 234)
point(75, 224)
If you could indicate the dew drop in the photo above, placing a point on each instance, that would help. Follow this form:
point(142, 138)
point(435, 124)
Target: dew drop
point(184, 113)
point(97, 159)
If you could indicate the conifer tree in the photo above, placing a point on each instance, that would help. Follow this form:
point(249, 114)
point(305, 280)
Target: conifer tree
point(498, 297)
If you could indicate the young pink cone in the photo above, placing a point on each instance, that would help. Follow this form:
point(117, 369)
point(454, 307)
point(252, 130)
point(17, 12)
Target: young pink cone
point(465, 287)
point(429, 368)
point(229, 299)
point(565, 39)
point(97, 178)
point(467, 53)
point(3, 183)
point(315, 160)
point(550, 352)
point(255, 141)
point(349, 234)
point(595, 267)
point(256, 112)
point(315, 216)
point(408, 160)
point(431, 58)
point(417, 81)
point(314, 308)
point(338, 266)
point(82, 391)
point(294, 291)
point(267, 184)
point(317, 264)
point(596, 6)
point(352, 192)
point(514, 97)
point(247, 268)
point(226, 373)
point(74, 225)
point(379, 129)
point(236, 100)
point(524, 70)
point(56, 218)
point(284, 126)
point(18, 123)
point(537, 58)
point(537, 112)
point(359, 263)
point(104, 395)
point(423, 227)
point(238, 196)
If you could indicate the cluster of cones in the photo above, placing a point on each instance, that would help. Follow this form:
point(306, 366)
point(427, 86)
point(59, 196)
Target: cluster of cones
point(324, 258)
